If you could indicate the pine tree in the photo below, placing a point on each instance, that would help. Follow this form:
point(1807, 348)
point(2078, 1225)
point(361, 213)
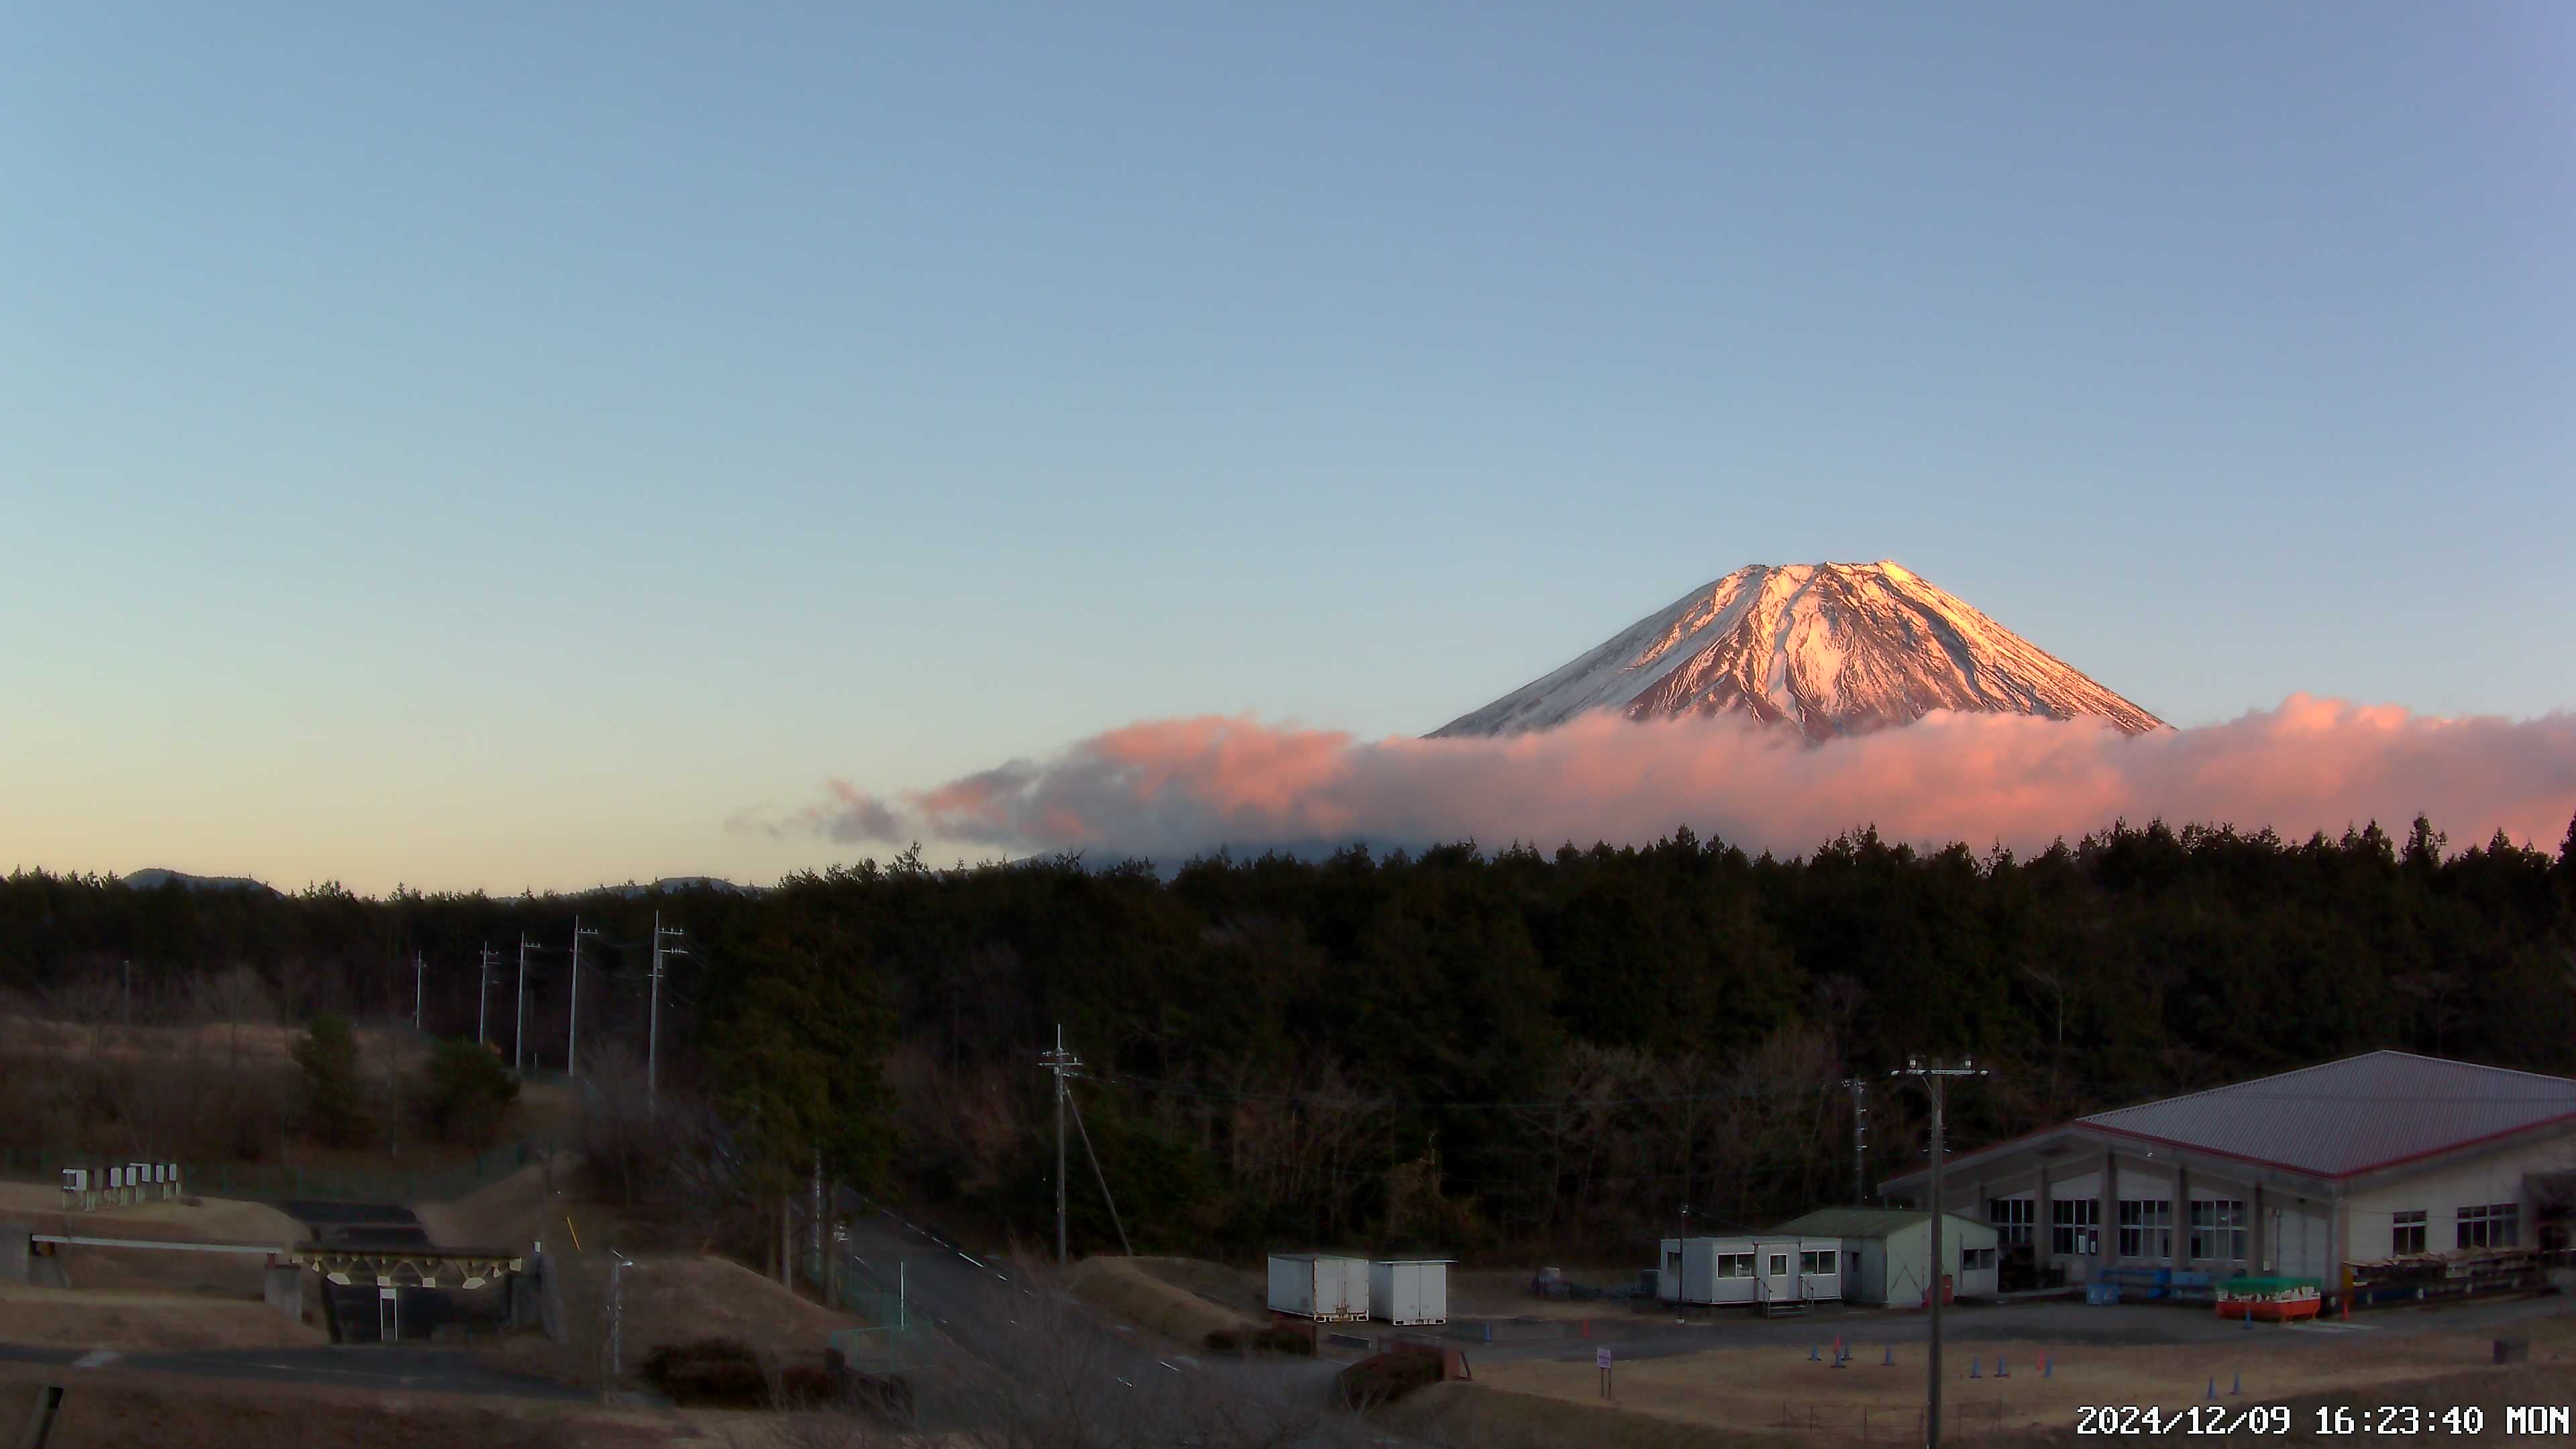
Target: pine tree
point(333, 1101)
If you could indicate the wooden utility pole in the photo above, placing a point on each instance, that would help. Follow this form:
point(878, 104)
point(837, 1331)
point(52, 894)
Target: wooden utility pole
point(1932, 1078)
point(1062, 1063)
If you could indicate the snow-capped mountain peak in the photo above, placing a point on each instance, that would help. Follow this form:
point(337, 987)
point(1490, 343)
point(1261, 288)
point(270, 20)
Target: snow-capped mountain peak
point(1831, 648)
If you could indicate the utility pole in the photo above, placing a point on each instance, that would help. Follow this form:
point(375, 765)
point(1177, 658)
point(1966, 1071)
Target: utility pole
point(519, 1033)
point(653, 1028)
point(419, 976)
point(572, 1032)
point(1932, 1078)
point(483, 996)
point(1060, 1062)
point(1860, 1143)
point(129, 993)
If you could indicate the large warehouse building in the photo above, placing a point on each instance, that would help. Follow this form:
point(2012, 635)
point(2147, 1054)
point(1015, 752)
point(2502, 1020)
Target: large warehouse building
point(2356, 1161)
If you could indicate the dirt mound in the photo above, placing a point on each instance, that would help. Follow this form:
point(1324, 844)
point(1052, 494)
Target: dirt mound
point(526, 1207)
point(670, 1299)
point(205, 1220)
point(1125, 1287)
point(1238, 1290)
point(146, 1270)
point(145, 1320)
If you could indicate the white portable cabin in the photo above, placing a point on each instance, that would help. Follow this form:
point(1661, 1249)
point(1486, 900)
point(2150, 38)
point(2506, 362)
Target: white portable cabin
point(1406, 1291)
point(1752, 1268)
point(1319, 1286)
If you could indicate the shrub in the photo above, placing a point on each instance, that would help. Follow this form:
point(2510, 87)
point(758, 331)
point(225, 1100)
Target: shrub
point(803, 1386)
point(1276, 1338)
point(462, 1092)
point(710, 1372)
point(1386, 1377)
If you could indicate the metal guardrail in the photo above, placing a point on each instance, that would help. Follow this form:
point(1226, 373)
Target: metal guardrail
point(273, 1250)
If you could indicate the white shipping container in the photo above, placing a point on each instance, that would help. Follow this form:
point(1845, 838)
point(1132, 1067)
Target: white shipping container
point(1319, 1286)
point(1407, 1291)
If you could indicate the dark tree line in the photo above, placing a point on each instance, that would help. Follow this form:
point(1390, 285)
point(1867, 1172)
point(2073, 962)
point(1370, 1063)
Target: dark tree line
point(1458, 1048)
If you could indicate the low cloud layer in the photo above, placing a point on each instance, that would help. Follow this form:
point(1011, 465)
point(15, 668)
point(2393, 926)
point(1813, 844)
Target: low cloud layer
point(1169, 789)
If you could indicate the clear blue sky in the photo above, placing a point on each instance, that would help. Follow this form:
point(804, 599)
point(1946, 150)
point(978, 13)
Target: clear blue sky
point(493, 445)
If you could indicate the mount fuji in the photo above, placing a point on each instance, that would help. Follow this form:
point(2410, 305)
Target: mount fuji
point(1829, 649)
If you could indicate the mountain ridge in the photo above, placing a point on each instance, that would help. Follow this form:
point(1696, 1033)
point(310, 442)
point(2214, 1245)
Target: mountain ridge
point(1830, 649)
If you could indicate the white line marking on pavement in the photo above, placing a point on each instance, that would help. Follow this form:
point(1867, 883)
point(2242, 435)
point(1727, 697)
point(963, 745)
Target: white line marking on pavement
point(97, 1358)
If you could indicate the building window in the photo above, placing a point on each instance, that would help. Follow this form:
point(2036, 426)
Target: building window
point(2146, 1229)
point(1735, 1265)
point(1817, 1264)
point(2493, 1225)
point(2218, 1231)
point(1975, 1259)
point(2011, 1217)
point(2406, 1232)
point(2075, 1227)
point(1779, 1265)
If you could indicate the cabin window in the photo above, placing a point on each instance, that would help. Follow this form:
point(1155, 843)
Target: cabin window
point(2406, 1231)
point(2011, 1217)
point(1735, 1265)
point(1817, 1264)
point(2218, 1231)
point(1978, 1259)
point(2075, 1226)
point(2492, 1225)
point(2146, 1228)
point(1779, 1265)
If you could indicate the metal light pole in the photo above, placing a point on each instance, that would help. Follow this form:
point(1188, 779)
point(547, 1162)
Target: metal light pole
point(419, 976)
point(1932, 1078)
point(572, 1032)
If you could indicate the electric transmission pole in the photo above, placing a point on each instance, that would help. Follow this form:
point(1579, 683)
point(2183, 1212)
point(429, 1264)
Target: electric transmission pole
point(1060, 1062)
point(483, 996)
point(1932, 1078)
point(419, 976)
point(1860, 1143)
point(519, 1033)
point(653, 1028)
point(572, 1032)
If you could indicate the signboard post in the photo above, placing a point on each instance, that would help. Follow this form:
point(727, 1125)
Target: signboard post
point(1601, 1358)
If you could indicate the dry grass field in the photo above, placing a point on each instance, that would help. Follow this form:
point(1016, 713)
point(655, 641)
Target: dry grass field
point(71, 1318)
point(117, 1409)
point(1775, 1388)
point(1149, 1293)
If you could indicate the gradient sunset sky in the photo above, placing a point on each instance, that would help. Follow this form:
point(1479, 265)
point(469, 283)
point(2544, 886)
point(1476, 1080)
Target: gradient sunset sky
point(499, 445)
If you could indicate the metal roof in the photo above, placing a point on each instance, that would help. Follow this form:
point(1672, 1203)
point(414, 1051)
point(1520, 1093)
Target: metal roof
point(1866, 1222)
point(2353, 1116)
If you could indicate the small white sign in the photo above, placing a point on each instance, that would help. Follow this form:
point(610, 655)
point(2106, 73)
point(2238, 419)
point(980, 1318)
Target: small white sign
point(1601, 1357)
point(385, 1292)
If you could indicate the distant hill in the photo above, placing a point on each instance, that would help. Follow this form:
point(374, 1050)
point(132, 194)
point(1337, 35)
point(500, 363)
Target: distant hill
point(154, 879)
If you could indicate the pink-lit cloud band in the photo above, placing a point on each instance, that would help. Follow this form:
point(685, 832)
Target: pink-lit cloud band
point(1169, 789)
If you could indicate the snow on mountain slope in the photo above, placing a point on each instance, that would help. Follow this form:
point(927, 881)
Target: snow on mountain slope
point(1832, 648)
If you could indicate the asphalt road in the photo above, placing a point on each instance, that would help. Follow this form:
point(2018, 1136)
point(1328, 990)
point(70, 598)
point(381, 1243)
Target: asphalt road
point(417, 1369)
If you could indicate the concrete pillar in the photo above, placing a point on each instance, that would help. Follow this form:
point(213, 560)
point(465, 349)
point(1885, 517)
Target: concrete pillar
point(17, 1252)
point(2109, 1210)
point(2043, 1230)
point(2182, 1216)
point(2258, 1234)
point(283, 1286)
